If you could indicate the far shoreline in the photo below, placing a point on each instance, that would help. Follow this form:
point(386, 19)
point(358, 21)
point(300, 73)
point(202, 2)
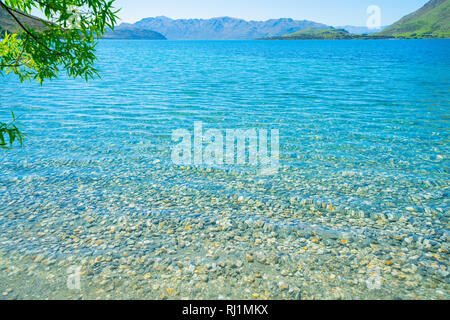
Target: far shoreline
point(237, 40)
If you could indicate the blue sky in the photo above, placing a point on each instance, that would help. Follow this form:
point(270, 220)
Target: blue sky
point(331, 12)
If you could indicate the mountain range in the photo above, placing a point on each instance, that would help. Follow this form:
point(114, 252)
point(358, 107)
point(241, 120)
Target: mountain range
point(430, 21)
point(223, 28)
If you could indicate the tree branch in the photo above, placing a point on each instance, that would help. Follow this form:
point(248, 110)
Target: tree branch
point(25, 28)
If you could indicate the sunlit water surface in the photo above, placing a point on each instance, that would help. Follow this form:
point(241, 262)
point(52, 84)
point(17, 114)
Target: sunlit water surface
point(358, 209)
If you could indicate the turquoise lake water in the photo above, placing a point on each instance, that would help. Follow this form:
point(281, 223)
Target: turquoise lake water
point(362, 190)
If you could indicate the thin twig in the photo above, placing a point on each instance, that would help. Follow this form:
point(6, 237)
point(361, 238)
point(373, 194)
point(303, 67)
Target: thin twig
point(23, 51)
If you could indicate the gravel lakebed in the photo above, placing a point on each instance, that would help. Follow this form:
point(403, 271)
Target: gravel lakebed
point(170, 240)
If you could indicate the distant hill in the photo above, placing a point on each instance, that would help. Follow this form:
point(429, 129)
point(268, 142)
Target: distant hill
point(134, 33)
point(7, 23)
point(329, 33)
point(316, 34)
point(361, 30)
point(224, 28)
point(430, 21)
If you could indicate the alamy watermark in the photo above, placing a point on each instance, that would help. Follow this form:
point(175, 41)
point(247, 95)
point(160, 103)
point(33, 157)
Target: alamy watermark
point(74, 278)
point(73, 20)
point(227, 147)
point(374, 20)
point(374, 281)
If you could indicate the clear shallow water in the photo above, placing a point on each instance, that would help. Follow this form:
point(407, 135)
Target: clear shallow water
point(362, 190)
